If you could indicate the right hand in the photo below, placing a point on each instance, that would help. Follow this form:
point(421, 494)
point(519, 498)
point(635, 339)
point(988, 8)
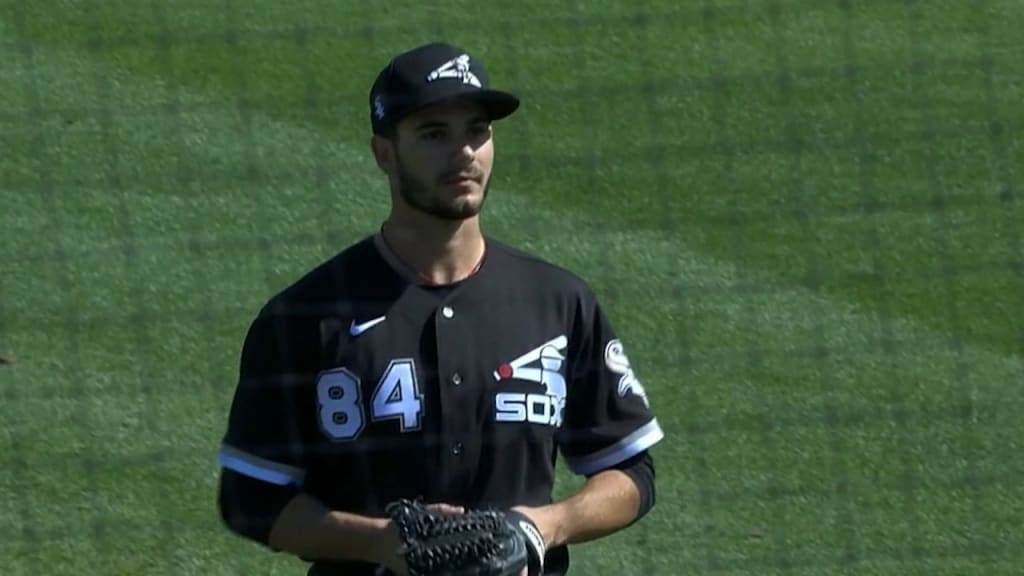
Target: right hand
point(446, 508)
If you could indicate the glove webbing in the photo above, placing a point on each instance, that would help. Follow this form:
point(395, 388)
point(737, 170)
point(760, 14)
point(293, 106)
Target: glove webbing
point(436, 541)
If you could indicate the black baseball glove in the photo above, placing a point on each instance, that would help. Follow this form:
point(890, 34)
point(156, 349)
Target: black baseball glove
point(482, 542)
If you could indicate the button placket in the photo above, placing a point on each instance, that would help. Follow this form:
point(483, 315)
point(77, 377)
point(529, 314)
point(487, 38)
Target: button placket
point(449, 366)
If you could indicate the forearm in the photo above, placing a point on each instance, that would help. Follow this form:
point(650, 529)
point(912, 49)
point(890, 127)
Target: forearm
point(308, 529)
point(606, 503)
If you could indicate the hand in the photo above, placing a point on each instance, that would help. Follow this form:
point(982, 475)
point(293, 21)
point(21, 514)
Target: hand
point(446, 508)
point(388, 553)
point(449, 509)
point(390, 556)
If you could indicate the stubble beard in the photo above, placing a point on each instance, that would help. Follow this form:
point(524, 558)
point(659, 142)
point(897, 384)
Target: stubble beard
point(426, 199)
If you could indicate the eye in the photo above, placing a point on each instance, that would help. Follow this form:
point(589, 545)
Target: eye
point(480, 130)
point(433, 135)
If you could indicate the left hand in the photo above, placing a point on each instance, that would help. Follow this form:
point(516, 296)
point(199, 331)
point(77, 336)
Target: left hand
point(442, 541)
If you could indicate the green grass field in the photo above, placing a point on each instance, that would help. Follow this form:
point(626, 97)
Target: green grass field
point(805, 219)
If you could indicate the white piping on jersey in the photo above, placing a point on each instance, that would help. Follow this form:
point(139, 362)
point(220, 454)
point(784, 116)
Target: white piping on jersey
point(259, 468)
point(639, 440)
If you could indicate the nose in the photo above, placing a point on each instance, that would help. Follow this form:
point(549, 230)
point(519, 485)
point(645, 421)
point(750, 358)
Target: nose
point(464, 151)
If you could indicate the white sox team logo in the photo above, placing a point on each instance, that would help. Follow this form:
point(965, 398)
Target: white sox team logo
point(457, 68)
point(544, 365)
point(616, 361)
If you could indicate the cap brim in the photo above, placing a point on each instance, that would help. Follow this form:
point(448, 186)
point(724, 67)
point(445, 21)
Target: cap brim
point(498, 104)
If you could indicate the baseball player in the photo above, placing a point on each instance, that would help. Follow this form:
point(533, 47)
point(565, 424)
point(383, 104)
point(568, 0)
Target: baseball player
point(430, 361)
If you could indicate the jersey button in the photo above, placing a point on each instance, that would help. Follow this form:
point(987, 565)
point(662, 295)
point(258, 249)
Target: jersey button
point(457, 448)
point(456, 378)
point(447, 312)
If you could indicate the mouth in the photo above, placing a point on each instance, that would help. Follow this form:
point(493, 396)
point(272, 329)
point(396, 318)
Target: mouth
point(461, 178)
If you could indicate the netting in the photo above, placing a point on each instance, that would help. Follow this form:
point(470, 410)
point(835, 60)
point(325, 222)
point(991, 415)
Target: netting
point(804, 219)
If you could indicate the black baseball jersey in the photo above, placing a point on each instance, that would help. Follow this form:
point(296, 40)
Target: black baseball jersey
point(362, 384)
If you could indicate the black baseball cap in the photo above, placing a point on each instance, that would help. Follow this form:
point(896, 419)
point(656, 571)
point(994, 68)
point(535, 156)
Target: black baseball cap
point(430, 74)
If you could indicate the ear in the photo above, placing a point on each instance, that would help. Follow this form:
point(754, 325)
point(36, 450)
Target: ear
point(383, 152)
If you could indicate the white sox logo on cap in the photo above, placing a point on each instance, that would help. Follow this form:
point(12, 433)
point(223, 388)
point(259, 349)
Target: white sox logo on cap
point(457, 68)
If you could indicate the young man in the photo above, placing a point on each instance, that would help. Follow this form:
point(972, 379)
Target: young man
point(431, 361)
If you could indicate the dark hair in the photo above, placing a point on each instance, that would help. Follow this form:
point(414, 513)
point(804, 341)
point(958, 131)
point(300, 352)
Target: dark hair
point(390, 132)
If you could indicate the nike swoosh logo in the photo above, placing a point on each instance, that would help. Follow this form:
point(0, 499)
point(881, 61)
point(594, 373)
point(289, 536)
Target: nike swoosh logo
point(357, 329)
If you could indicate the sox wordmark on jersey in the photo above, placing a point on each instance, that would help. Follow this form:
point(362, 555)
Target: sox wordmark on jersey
point(542, 365)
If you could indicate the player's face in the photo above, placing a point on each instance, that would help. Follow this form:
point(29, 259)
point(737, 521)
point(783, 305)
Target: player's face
point(443, 159)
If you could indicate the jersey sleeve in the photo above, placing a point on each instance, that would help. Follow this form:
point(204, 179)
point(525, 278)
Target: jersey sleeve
point(607, 415)
point(263, 439)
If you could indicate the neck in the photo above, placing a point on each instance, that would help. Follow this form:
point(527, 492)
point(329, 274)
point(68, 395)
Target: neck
point(439, 252)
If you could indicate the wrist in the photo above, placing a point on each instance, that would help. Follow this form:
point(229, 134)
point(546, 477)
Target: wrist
point(386, 547)
point(555, 530)
point(549, 520)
